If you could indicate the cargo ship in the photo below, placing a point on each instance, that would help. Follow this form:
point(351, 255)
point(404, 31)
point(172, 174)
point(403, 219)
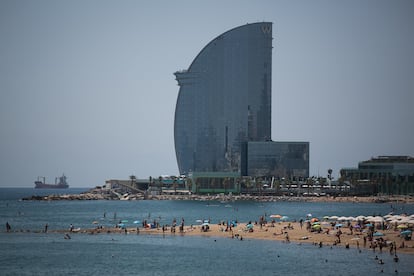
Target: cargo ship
point(60, 183)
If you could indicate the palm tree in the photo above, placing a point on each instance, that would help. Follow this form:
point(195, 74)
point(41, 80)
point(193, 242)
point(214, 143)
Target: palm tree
point(276, 185)
point(238, 184)
point(160, 183)
point(248, 184)
point(197, 186)
point(132, 178)
point(259, 185)
point(175, 184)
point(330, 174)
point(225, 184)
point(309, 182)
point(189, 184)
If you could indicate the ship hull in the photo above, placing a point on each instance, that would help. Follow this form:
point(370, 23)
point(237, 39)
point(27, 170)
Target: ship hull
point(61, 184)
point(50, 186)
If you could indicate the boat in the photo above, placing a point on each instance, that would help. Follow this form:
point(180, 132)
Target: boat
point(40, 183)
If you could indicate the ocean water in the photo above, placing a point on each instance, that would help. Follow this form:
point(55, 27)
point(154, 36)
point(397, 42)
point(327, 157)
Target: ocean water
point(28, 251)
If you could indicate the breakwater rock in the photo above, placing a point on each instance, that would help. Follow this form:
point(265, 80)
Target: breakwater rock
point(99, 194)
point(83, 196)
point(92, 194)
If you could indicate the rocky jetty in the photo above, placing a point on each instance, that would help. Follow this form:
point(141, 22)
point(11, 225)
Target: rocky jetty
point(103, 194)
point(93, 194)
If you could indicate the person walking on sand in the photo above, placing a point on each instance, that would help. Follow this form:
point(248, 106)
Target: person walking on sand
point(287, 237)
point(8, 227)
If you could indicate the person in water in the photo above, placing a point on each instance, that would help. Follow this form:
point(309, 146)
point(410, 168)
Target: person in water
point(8, 227)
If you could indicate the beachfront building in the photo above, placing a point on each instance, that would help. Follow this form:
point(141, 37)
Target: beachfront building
point(386, 175)
point(214, 182)
point(275, 159)
point(155, 185)
point(223, 111)
point(132, 184)
point(224, 100)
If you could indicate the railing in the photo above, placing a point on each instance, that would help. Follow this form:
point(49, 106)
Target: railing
point(132, 188)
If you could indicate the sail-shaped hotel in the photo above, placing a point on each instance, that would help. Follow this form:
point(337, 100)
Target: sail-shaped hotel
point(223, 112)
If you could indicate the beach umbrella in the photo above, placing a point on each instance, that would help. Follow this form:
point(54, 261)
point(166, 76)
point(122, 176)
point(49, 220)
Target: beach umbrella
point(377, 219)
point(406, 232)
point(369, 225)
point(249, 226)
point(284, 218)
point(316, 226)
point(95, 222)
point(121, 225)
point(402, 226)
point(357, 226)
point(124, 221)
point(378, 234)
point(275, 216)
point(405, 220)
point(338, 225)
point(326, 217)
point(399, 217)
point(309, 215)
point(136, 221)
point(369, 218)
point(360, 218)
point(333, 217)
point(205, 224)
point(199, 221)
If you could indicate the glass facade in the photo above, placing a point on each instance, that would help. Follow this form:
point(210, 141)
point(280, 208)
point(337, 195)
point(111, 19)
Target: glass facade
point(382, 175)
point(279, 159)
point(214, 182)
point(224, 100)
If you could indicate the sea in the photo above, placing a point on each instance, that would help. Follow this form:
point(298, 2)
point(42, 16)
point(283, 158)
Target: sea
point(28, 250)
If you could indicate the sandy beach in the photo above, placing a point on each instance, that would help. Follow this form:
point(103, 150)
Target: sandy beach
point(390, 242)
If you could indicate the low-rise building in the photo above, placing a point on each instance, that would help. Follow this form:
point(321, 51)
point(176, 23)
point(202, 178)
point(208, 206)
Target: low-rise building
point(275, 159)
point(382, 175)
point(214, 182)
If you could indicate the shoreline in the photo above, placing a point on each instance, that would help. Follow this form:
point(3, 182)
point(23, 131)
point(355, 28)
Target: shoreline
point(290, 232)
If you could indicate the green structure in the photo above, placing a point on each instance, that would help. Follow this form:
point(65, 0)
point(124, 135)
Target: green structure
point(214, 182)
point(387, 175)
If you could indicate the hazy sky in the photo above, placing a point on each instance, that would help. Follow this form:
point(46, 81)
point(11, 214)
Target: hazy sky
point(87, 87)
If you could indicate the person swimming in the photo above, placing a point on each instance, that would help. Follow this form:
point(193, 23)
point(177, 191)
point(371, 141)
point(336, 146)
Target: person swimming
point(396, 259)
